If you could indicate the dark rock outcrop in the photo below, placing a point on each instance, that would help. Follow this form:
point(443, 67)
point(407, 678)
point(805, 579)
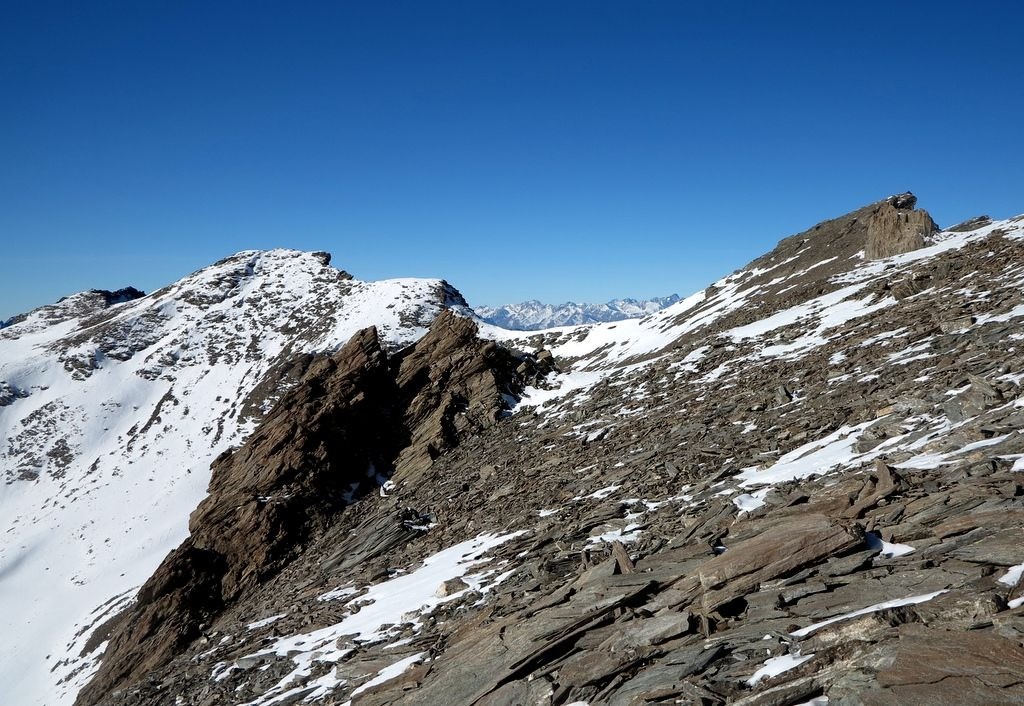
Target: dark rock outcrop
point(118, 296)
point(354, 418)
point(9, 393)
point(450, 385)
point(971, 224)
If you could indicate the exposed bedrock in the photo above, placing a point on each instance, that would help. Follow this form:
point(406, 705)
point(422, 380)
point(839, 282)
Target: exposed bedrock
point(355, 418)
point(896, 227)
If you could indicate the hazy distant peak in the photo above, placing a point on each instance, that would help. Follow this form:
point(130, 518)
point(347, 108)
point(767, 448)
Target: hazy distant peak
point(533, 315)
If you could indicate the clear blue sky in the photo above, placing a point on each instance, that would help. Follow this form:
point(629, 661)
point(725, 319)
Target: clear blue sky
point(557, 150)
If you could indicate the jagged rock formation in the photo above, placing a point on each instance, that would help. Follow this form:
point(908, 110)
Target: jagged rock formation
point(353, 418)
point(120, 296)
point(111, 414)
point(896, 227)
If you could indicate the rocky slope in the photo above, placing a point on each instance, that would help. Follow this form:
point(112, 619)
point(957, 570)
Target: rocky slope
point(534, 315)
point(801, 485)
point(114, 404)
point(353, 420)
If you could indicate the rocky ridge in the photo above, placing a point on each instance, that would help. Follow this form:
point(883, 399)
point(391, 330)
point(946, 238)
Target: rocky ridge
point(112, 407)
point(353, 419)
point(798, 486)
point(76, 306)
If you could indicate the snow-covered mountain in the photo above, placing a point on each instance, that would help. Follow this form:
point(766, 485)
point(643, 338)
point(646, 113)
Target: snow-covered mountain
point(800, 483)
point(534, 315)
point(796, 484)
point(112, 408)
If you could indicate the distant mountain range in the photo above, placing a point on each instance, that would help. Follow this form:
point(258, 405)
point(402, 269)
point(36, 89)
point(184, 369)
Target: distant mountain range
point(533, 315)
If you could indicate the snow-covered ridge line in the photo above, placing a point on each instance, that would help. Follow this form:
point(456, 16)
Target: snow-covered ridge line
point(111, 413)
point(597, 351)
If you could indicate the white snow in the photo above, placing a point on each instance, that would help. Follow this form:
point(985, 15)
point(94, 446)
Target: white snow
point(912, 600)
point(888, 550)
point(603, 492)
point(382, 607)
point(815, 457)
point(829, 310)
point(775, 666)
point(629, 533)
point(748, 502)
point(557, 386)
point(389, 672)
point(265, 622)
point(1012, 576)
point(934, 460)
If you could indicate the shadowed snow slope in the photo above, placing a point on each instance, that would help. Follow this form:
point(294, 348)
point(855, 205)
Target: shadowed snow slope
point(111, 414)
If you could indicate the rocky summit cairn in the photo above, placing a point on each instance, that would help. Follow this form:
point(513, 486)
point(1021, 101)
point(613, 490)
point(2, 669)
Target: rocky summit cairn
point(896, 227)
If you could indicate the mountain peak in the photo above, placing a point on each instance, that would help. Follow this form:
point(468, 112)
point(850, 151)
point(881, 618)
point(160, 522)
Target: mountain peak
point(424, 515)
point(113, 405)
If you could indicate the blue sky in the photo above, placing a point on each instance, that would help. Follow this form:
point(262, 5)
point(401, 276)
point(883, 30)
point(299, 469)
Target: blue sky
point(571, 150)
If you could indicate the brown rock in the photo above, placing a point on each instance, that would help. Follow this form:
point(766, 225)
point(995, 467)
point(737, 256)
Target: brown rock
point(776, 552)
point(896, 228)
point(953, 667)
point(353, 416)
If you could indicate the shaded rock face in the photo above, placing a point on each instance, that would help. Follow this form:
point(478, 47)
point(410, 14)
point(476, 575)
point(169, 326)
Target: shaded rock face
point(450, 385)
point(119, 296)
point(354, 418)
point(896, 227)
